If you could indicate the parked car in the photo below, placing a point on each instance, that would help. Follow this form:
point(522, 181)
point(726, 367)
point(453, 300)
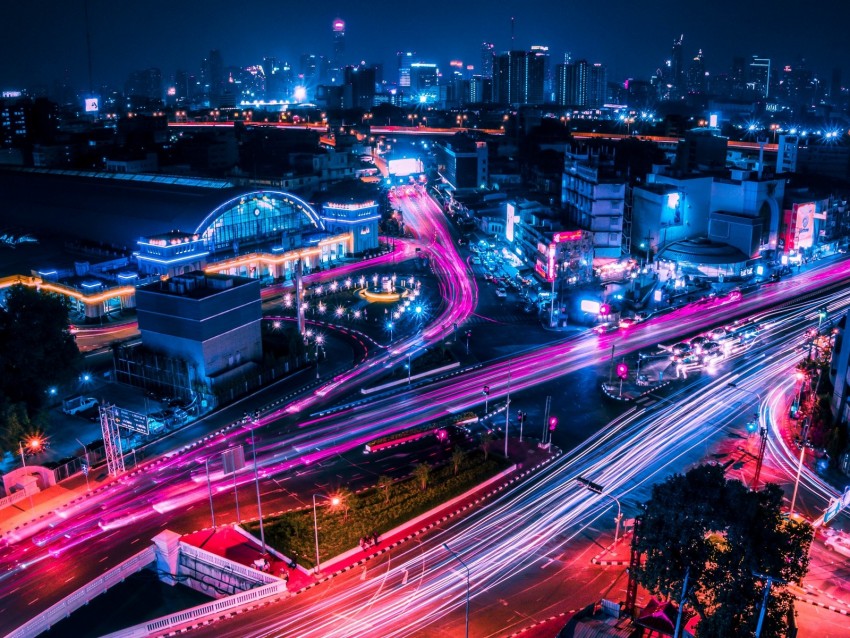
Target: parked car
point(838, 543)
point(605, 328)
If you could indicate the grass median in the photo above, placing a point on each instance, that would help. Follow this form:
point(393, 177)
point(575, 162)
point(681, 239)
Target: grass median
point(376, 510)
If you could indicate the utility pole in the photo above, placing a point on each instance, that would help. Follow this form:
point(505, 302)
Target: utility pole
point(611, 374)
point(507, 413)
point(546, 409)
point(769, 583)
point(682, 603)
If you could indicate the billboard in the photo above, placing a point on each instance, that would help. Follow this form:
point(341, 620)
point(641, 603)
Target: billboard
point(404, 166)
point(592, 307)
point(92, 104)
point(804, 225)
point(509, 222)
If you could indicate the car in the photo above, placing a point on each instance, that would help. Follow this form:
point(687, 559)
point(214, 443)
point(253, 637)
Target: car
point(680, 351)
point(627, 322)
point(718, 333)
point(605, 328)
point(838, 543)
point(697, 344)
point(501, 293)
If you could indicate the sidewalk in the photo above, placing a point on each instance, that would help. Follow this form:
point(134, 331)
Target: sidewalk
point(29, 511)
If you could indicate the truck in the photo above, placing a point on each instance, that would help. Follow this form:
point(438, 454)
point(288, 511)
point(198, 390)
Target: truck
point(76, 404)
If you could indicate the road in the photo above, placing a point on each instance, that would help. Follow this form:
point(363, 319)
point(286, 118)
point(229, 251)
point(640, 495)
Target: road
point(100, 532)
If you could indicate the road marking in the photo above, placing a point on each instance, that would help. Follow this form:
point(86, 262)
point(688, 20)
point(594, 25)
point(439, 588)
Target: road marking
point(547, 563)
point(33, 601)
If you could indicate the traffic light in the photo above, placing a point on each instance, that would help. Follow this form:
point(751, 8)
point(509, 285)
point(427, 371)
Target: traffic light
point(486, 391)
point(605, 309)
point(520, 415)
point(622, 370)
point(553, 423)
point(752, 426)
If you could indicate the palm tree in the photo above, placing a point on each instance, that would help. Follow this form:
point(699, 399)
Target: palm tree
point(457, 458)
point(422, 472)
point(385, 483)
point(486, 440)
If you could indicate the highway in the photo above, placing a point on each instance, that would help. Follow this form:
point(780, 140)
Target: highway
point(84, 539)
point(520, 549)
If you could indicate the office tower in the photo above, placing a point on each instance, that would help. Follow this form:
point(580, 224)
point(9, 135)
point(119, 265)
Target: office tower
point(358, 87)
point(597, 85)
point(146, 84)
point(405, 59)
point(541, 64)
point(424, 82)
point(338, 56)
point(518, 78)
point(696, 75)
point(677, 71)
point(488, 53)
point(212, 77)
point(759, 79)
point(738, 74)
point(480, 90)
point(572, 83)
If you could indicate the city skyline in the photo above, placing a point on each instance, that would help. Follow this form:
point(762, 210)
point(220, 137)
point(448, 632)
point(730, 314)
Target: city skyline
point(124, 40)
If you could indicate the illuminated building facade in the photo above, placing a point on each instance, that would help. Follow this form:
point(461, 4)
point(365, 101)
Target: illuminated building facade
point(462, 162)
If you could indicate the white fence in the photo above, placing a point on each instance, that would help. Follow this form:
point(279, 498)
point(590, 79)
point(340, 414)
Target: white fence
point(225, 565)
point(202, 611)
point(84, 595)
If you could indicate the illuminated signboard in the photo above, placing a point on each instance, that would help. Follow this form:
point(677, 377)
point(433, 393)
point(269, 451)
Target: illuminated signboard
point(573, 235)
point(404, 166)
point(92, 104)
point(804, 223)
point(551, 273)
point(130, 420)
point(590, 306)
point(510, 221)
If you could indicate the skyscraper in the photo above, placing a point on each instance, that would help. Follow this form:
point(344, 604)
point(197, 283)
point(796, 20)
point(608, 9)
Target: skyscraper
point(338, 56)
point(405, 59)
point(488, 52)
point(518, 78)
point(212, 78)
point(677, 69)
point(696, 75)
point(760, 75)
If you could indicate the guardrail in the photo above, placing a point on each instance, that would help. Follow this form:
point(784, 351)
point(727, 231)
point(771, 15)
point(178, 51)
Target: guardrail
point(225, 565)
point(202, 611)
point(13, 498)
point(84, 595)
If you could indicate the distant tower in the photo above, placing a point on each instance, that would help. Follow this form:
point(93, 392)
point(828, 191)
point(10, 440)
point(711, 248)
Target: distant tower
point(488, 52)
point(338, 56)
point(677, 70)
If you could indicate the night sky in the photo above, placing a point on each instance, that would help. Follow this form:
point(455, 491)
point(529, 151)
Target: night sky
point(42, 40)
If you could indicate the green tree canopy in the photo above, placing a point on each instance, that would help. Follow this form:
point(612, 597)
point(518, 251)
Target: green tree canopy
point(725, 533)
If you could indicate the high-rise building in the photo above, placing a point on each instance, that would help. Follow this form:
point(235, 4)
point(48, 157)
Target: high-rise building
point(424, 83)
point(759, 79)
point(146, 84)
point(488, 53)
point(541, 65)
point(358, 87)
point(696, 75)
point(480, 90)
point(405, 59)
point(581, 84)
point(518, 78)
point(677, 69)
point(212, 77)
point(338, 56)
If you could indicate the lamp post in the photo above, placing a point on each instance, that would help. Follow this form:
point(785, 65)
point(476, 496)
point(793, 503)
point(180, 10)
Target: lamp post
point(86, 456)
point(486, 393)
point(319, 341)
point(595, 487)
point(257, 484)
point(507, 414)
point(762, 433)
point(334, 501)
point(466, 567)
point(209, 489)
point(800, 463)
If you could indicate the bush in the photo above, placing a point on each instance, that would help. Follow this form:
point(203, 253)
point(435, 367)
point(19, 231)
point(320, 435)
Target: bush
point(292, 533)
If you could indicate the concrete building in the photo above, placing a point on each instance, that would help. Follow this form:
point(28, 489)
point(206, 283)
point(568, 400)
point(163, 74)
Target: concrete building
point(593, 195)
point(462, 162)
point(210, 321)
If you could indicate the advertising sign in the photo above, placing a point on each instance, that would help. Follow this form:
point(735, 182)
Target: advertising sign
point(92, 104)
point(590, 306)
point(509, 222)
point(804, 225)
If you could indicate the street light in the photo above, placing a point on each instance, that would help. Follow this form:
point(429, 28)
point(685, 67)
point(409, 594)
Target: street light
point(466, 567)
point(209, 488)
point(595, 487)
point(762, 432)
point(334, 501)
point(257, 482)
point(320, 339)
point(86, 456)
point(486, 393)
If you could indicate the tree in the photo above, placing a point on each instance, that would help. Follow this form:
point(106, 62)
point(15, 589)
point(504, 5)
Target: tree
point(486, 440)
point(347, 501)
point(724, 534)
point(458, 456)
point(385, 483)
point(37, 349)
point(422, 472)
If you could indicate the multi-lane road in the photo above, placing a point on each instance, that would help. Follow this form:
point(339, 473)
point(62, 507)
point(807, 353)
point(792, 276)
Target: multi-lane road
point(503, 541)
